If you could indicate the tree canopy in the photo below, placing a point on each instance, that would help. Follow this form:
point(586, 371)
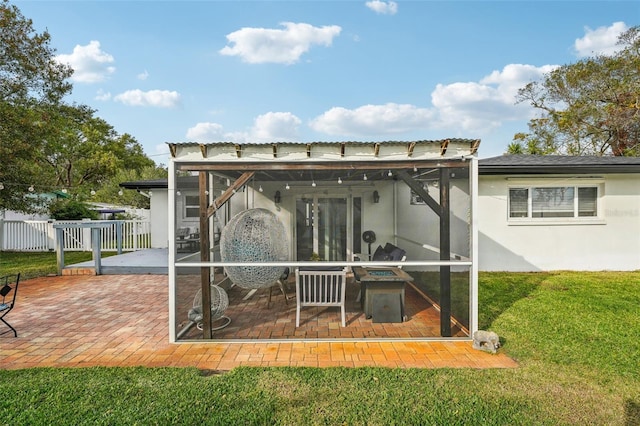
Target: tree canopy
point(32, 83)
point(82, 151)
point(591, 107)
point(45, 142)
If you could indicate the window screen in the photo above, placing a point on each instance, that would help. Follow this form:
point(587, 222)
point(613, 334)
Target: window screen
point(587, 201)
point(518, 202)
point(552, 202)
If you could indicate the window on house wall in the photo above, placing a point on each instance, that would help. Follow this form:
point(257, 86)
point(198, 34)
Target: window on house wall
point(191, 206)
point(553, 202)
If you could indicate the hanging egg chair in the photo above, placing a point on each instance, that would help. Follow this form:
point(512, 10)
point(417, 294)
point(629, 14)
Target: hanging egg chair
point(254, 235)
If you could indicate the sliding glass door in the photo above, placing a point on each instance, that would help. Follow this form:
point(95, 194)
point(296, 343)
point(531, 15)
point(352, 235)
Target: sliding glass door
point(321, 228)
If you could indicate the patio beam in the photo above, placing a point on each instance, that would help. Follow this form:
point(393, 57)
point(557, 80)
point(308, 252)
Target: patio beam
point(284, 166)
point(410, 149)
point(418, 189)
point(443, 146)
point(232, 189)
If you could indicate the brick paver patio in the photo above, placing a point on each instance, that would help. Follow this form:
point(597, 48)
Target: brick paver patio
point(122, 320)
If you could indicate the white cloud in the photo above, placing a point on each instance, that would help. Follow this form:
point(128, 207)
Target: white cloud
point(283, 46)
point(275, 126)
point(206, 132)
point(90, 64)
point(103, 96)
point(370, 120)
point(600, 41)
point(269, 127)
point(143, 75)
point(486, 104)
point(155, 98)
point(383, 7)
point(459, 108)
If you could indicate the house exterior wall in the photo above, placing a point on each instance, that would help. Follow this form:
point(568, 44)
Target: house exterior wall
point(159, 207)
point(378, 217)
point(13, 215)
point(428, 233)
point(612, 242)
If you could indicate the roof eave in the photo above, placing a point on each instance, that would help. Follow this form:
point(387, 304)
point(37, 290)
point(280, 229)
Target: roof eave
point(556, 170)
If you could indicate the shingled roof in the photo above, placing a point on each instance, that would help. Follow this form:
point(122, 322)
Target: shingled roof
point(557, 164)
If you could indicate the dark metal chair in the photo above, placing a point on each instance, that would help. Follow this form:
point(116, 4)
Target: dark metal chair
point(8, 294)
point(281, 285)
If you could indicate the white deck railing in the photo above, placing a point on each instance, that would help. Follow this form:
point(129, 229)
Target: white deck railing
point(39, 235)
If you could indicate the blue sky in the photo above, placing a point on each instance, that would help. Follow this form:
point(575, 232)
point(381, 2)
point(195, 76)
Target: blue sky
point(305, 71)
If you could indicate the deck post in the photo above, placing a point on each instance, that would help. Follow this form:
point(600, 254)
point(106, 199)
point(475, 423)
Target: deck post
point(95, 247)
point(119, 225)
point(60, 249)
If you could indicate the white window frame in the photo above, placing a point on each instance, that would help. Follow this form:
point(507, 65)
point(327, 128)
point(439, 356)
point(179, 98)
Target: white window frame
point(186, 206)
point(574, 183)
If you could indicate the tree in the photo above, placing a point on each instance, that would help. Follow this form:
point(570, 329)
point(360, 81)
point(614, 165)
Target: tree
point(111, 192)
point(31, 84)
point(46, 143)
point(83, 151)
point(591, 107)
point(27, 65)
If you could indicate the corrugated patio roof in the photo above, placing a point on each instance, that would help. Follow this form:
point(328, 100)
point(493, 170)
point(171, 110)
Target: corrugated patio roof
point(324, 151)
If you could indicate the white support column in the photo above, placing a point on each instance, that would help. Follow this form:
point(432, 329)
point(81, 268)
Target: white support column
point(473, 297)
point(171, 214)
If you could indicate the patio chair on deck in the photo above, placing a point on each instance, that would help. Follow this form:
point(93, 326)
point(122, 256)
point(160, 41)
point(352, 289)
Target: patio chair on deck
point(8, 294)
point(322, 286)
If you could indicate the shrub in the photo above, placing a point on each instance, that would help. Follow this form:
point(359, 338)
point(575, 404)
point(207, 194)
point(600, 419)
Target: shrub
point(71, 210)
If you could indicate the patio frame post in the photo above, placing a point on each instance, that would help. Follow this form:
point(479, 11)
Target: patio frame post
point(171, 215)
point(445, 254)
point(473, 298)
point(203, 184)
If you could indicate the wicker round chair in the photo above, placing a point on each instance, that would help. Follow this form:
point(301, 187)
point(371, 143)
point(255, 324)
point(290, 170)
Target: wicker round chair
point(254, 235)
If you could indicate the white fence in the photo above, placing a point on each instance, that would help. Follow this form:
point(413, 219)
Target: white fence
point(39, 235)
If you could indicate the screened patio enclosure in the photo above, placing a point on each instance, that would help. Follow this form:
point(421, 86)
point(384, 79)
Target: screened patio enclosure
point(335, 205)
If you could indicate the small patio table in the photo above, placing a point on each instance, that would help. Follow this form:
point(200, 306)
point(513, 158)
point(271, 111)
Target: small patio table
point(382, 292)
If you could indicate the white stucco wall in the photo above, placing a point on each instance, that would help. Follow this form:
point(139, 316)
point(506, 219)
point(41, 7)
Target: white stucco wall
point(612, 243)
point(159, 206)
point(378, 217)
point(428, 230)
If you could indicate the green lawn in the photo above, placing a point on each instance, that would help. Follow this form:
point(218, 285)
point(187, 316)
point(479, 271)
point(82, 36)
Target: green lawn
point(39, 264)
point(575, 336)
